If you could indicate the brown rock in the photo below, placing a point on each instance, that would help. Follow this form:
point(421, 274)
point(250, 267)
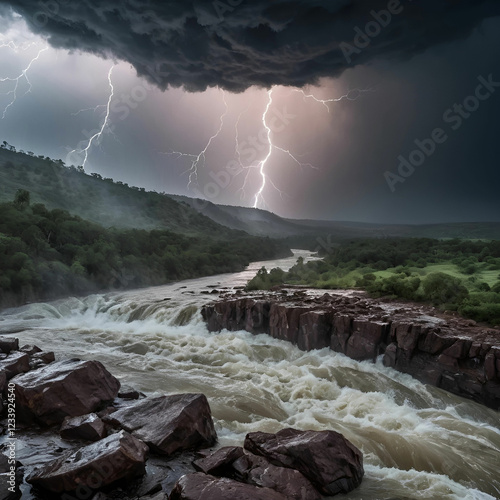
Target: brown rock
point(39, 359)
point(64, 388)
point(127, 392)
point(199, 486)
point(89, 427)
point(168, 423)
point(459, 349)
point(390, 355)
point(220, 463)
point(326, 458)
point(489, 366)
point(8, 344)
point(94, 466)
point(407, 337)
point(30, 349)
point(3, 381)
point(448, 361)
point(257, 471)
point(15, 363)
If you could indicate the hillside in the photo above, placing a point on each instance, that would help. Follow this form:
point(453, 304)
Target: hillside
point(110, 203)
point(97, 199)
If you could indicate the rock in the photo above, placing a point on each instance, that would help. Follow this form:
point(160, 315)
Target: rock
point(89, 427)
point(15, 363)
point(39, 359)
point(8, 344)
point(127, 392)
point(199, 486)
point(411, 338)
point(257, 471)
point(64, 388)
point(326, 458)
point(159, 496)
point(220, 462)
point(232, 462)
point(8, 489)
point(162, 475)
point(11, 476)
point(30, 349)
point(92, 467)
point(168, 423)
point(3, 381)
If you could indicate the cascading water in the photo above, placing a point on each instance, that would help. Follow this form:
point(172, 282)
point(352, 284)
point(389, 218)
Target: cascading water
point(418, 442)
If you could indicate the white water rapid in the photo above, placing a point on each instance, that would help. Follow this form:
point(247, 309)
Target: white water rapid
point(418, 442)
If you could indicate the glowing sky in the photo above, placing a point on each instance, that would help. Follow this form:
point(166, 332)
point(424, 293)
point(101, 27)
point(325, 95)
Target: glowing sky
point(342, 152)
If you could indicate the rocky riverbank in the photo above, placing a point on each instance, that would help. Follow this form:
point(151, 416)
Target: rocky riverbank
point(69, 430)
point(443, 350)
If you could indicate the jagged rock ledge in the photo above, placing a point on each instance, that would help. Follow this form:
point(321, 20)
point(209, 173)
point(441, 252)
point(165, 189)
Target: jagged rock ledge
point(443, 350)
point(85, 436)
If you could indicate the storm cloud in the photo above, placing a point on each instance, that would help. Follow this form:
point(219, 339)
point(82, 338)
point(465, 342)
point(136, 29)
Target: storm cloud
point(234, 44)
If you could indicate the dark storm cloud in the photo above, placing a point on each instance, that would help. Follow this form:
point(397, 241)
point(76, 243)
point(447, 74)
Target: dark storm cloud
point(234, 44)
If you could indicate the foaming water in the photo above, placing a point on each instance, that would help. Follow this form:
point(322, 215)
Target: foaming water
point(418, 441)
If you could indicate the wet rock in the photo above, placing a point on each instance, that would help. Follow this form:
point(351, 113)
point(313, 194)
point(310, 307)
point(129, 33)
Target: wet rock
point(162, 475)
point(232, 462)
point(64, 388)
point(257, 471)
point(220, 463)
point(168, 423)
point(30, 349)
point(326, 458)
point(8, 344)
point(39, 359)
point(3, 381)
point(11, 477)
point(15, 363)
point(9, 490)
point(199, 486)
point(451, 353)
point(94, 466)
point(127, 392)
point(88, 427)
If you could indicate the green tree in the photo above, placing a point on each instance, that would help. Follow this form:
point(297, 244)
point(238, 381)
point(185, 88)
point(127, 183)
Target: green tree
point(22, 199)
point(442, 288)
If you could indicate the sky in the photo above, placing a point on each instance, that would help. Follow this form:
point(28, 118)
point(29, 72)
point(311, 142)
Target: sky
point(371, 111)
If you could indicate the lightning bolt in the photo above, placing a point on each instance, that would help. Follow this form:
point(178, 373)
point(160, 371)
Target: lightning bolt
point(200, 158)
point(351, 95)
point(17, 80)
point(94, 109)
point(98, 135)
point(262, 164)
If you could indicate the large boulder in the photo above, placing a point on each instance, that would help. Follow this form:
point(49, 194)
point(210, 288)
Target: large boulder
point(64, 388)
point(232, 462)
point(168, 423)
point(117, 457)
point(291, 483)
point(326, 458)
point(199, 486)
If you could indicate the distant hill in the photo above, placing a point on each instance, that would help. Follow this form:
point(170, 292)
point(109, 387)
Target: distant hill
point(111, 203)
point(100, 200)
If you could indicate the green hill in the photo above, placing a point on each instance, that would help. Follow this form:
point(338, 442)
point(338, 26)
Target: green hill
point(97, 199)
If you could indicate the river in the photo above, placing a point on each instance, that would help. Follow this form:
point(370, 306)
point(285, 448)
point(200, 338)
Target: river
point(418, 442)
